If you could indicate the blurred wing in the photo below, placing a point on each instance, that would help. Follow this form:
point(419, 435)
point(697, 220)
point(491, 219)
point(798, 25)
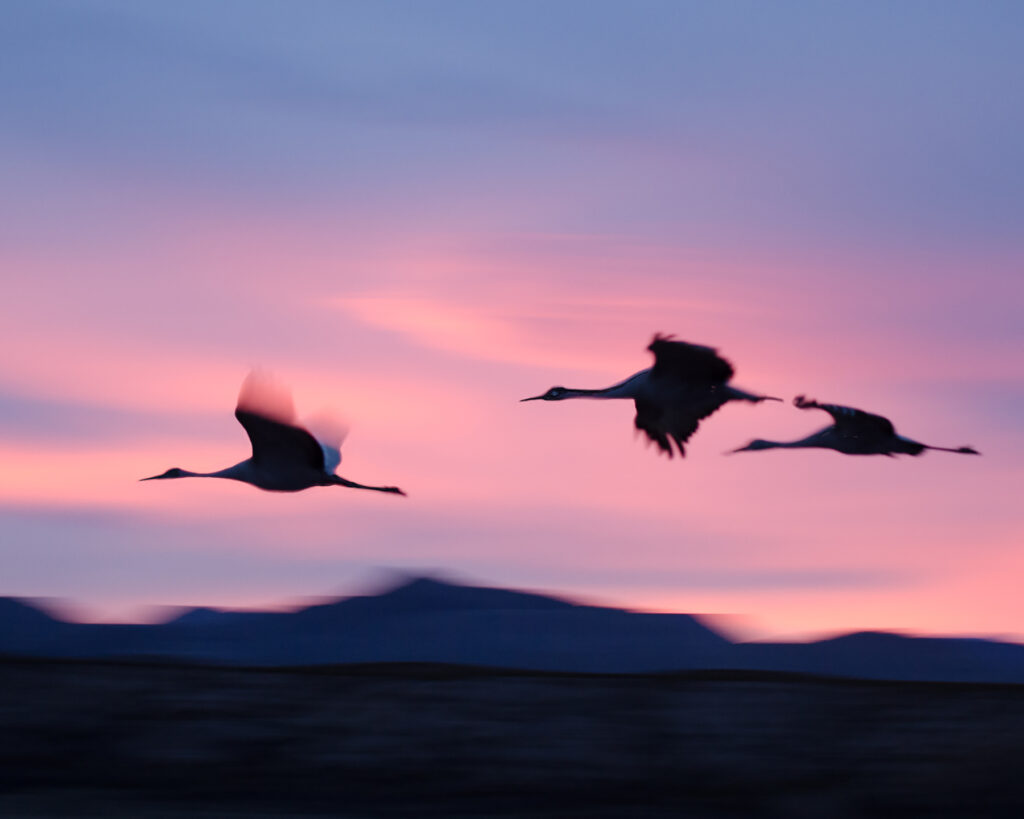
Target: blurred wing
point(266, 412)
point(851, 421)
point(330, 433)
point(263, 395)
point(664, 424)
point(688, 362)
point(332, 457)
point(865, 425)
point(280, 445)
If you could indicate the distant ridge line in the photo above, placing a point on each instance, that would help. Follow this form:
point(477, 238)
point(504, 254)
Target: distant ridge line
point(427, 626)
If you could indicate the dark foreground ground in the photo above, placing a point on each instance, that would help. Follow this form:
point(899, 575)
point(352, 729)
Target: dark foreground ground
point(109, 739)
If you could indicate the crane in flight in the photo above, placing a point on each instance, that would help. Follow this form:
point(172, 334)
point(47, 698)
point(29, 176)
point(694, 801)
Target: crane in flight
point(854, 432)
point(687, 383)
point(285, 456)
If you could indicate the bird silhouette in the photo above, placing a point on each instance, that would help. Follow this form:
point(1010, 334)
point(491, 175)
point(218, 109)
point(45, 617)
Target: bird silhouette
point(285, 456)
point(687, 383)
point(854, 432)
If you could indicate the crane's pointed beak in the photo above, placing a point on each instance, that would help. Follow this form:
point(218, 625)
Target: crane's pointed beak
point(152, 478)
point(535, 398)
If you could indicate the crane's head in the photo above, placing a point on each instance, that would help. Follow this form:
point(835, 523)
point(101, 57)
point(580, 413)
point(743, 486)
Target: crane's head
point(554, 394)
point(755, 445)
point(173, 472)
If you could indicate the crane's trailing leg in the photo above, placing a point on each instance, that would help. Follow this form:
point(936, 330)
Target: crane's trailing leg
point(337, 480)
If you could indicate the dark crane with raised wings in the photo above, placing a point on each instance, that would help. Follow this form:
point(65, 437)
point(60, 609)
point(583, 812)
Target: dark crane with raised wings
point(854, 432)
point(286, 457)
point(687, 383)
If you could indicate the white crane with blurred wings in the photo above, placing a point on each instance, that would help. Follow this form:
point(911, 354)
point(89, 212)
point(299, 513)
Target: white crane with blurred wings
point(687, 383)
point(286, 457)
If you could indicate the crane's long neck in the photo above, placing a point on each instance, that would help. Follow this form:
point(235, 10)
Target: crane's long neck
point(804, 443)
point(239, 472)
point(624, 389)
point(572, 392)
point(822, 439)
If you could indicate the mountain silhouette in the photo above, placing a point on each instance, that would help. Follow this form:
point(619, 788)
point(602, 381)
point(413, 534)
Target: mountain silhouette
point(26, 628)
point(431, 620)
point(429, 594)
point(17, 614)
point(884, 655)
point(428, 620)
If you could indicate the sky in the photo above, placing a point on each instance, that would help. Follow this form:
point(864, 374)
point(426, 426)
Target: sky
point(417, 213)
